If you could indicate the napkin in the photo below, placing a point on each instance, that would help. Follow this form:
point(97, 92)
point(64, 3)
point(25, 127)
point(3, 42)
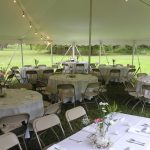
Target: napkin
point(56, 147)
point(134, 130)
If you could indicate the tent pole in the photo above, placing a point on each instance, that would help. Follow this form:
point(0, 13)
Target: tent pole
point(90, 33)
point(133, 51)
point(22, 59)
point(100, 51)
point(51, 54)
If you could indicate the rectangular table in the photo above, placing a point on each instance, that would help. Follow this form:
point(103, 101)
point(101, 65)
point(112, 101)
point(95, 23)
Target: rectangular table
point(127, 127)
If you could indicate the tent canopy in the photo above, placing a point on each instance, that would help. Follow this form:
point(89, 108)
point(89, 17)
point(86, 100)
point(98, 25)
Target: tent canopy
point(67, 21)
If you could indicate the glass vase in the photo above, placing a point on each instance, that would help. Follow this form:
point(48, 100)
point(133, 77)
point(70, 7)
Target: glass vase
point(101, 140)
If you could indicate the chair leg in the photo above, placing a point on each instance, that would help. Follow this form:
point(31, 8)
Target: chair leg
point(136, 104)
point(25, 143)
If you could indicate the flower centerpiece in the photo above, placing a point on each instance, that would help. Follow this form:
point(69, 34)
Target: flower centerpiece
point(101, 140)
point(113, 60)
point(36, 62)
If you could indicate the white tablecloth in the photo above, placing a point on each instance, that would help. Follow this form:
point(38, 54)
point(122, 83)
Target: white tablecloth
point(39, 70)
point(71, 66)
point(80, 82)
point(119, 135)
point(105, 71)
point(21, 101)
point(141, 81)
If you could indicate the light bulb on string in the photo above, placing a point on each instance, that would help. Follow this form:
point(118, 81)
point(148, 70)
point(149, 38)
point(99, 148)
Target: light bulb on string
point(30, 25)
point(126, 0)
point(23, 15)
point(14, 1)
point(35, 33)
point(41, 37)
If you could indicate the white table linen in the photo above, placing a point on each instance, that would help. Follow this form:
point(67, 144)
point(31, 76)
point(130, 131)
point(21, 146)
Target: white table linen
point(105, 72)
point(80, 82)
point(118, 134)
point(71, 66)
point(39, 71)
point(21, 101)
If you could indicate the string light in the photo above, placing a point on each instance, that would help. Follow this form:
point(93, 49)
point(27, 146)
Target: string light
point(23, 15)
point(30, 24)
point(126, 0)
point(35, 33)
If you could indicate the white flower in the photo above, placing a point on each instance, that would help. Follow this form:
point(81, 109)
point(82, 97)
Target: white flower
point(103, 110)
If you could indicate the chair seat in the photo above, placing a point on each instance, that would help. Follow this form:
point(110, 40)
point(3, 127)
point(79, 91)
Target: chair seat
point(51, 108)
point(90, 94)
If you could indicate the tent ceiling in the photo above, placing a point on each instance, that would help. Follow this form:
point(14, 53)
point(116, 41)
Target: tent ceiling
point(66, 21)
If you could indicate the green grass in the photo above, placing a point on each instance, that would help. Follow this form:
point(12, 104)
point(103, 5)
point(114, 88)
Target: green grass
point(45, 58)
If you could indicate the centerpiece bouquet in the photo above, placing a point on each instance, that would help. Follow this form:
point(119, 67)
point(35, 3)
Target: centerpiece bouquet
point(103, 123)
point(113, 60)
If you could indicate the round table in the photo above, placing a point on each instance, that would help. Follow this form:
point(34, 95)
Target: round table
point(21, 101)
point(105, 71)
point(80, 82)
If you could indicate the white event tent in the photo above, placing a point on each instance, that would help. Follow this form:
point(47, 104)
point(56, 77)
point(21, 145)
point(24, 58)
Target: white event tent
point(67, 21)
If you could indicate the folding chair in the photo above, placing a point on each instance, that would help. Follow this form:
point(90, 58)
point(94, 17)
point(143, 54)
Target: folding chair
point(44, 123)
point(114, 75)
point(75, 113)
point(80, 68)
point(9, 140)
point(145, 98)
point(32, 76)
point(17, 124)
point(46, 74)
point(91, 91)
point(66, 92)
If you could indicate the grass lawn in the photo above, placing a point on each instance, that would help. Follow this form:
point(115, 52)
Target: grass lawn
point(45, 58)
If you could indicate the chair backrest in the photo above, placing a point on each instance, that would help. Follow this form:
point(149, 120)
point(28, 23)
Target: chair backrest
point(9, 140)
point(10, 123)
point(141, 74)
point(32, 76)
point(94, 86)
point(27, 66)
point(145, 89)
point(116, 71)
point(42, 65)
point(44, 123)
point(74, 113)
point(47, 73)
point(59, 70)
point(66, 91)
point(95, 70)
point(80, 68)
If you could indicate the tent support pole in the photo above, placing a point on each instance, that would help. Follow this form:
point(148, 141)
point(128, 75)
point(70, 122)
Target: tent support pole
point(51, 54)
point(90, 33)
point(22, 58)
point(100, 51)
point(133, 52)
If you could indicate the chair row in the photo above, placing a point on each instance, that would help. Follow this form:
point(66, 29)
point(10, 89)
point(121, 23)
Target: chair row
point(92, 93)
point(39, 125)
